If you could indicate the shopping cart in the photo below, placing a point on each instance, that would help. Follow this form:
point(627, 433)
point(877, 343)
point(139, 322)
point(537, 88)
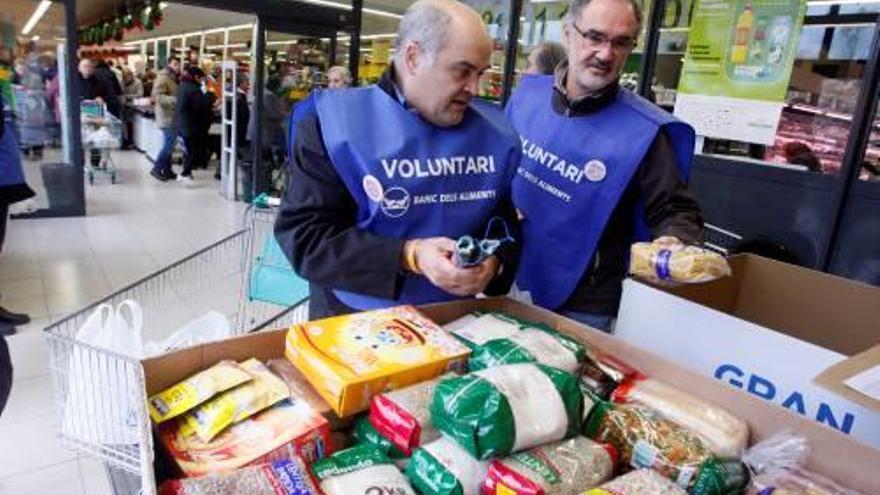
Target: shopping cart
point(720, 240)
point(31, 113)
point(101, 132)
point(214, 278)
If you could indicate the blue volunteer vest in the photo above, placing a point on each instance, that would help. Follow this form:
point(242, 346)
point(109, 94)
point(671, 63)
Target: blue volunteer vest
point(11, 173)
point(411, 179)
point(573, 174)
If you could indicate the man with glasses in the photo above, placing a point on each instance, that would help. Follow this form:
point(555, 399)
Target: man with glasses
point(601, 168)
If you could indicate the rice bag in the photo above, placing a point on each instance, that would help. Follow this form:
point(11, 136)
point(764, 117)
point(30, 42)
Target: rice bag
point(506, 409)
point(240, 403)
point(679, 263)
point(483, 328)
point(196, 389)
point(566, 467)
point(364, 433)
point(641, 482)
point(644, 439)
point(795, 482)
point(403, 416)
point(288, 477)
point(360, 470)
point(602, 374)
point(725, 434)
point(442, 467)
point(530, 345)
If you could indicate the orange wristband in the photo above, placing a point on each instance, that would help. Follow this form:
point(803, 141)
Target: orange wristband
point(410, 257)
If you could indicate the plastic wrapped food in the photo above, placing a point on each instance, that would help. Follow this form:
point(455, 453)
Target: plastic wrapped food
point(670, 262)
point(404, 416)
point(506, 409)
point(641, 482)
point(300, 387)
point(725, 434)
point(364, 433)
point(603, 374)
point(240, 403)
point(646, 440)
point(530, 345)
point(196, 389)
point(567, 467)
point(795, 482)
point(474, 331)
point(360, 470)
point(442, 467)
point(288, 477)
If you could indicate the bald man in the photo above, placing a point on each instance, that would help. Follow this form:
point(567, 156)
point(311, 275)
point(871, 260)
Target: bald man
point(384, 179)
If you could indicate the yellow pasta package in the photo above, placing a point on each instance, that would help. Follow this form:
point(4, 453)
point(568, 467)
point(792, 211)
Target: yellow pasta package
point(180, 398)
point(240, 403)
point(664, 261)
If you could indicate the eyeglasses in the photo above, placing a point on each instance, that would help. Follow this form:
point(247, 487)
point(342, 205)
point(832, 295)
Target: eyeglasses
point(596, 40)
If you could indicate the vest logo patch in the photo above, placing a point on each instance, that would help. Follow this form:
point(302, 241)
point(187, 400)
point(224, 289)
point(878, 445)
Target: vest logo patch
point(595, 171)
point(373, 188)
point(395, 202)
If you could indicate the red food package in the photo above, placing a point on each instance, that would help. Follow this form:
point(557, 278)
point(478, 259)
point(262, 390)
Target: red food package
point(291, 477)
point(403, 416)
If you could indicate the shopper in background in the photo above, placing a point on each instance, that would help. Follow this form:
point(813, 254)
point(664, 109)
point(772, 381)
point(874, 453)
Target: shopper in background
point(338, 77)
point(194, 112)
point(272, 140)
point(544, 58)
point(164, 96)
point(148, 80)
point(132, 89)
point(110, 88)
point(242, 117)
point(92, 89)
point(799, 153)
point(359, 218)
point(13, 189)
point(602, 167)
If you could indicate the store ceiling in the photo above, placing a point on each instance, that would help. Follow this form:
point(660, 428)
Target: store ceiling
point(17, 13)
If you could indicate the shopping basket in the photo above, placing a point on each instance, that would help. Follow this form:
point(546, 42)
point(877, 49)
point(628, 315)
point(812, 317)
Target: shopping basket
point(214, 278)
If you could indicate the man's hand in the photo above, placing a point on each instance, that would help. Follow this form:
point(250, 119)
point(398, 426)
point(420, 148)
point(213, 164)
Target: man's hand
point(433, 258)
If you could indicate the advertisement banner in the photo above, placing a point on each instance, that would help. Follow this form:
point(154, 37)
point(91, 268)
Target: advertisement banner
point(739, 59)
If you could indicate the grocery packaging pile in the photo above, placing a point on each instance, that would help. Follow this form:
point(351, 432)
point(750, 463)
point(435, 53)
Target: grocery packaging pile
point(489, 404)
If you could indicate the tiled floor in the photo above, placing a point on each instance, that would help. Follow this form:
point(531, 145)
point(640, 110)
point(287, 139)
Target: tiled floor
point(51, 267)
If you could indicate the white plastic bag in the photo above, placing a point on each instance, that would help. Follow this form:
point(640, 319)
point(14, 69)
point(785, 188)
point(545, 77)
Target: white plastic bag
point(210, 327)
point(102, 394)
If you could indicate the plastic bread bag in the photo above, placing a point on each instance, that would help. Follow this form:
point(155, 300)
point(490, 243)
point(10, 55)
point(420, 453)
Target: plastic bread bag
point(644, 439)
point(530, 345)
point(442, 467)
point(506, 409)
point(196, 389)
point(664, 261)
point(483, 328)
point(640, 482)
point(240, 403)
point(365, 434)
point(360, 470)
point(725, 434)
point(403, 416)
point(602, 374)
point(287, 477)
point(566, 467)
point(795, 482)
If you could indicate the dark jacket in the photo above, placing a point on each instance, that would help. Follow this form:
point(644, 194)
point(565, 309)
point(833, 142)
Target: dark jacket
point(13, 187)
point(316, 228)
point(109, 88)
point(193, 114)
point(670, 210)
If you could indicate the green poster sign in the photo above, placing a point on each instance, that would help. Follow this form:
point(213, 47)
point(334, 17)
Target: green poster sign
point(742, 48)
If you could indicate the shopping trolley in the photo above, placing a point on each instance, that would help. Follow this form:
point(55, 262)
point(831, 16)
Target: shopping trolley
point(101, 132)
point(214, 278)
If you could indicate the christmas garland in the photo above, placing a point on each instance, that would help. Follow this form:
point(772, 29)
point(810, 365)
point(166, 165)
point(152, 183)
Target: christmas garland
point(146, 16)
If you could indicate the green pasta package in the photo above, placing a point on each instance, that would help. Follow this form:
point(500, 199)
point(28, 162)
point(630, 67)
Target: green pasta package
point(530, 345)
point(442, 467)
point(496, 412)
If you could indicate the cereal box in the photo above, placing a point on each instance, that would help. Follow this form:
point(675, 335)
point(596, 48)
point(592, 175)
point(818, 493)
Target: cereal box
point(349, 359)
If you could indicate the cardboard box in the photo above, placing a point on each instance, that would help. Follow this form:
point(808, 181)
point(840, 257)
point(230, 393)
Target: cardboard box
point(831, 453)
point(349, 359)
point(770, 329)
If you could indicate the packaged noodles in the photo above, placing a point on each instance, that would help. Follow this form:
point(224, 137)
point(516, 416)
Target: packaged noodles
point(602, 374)
point(530, 345)
point(360, 470)
point(506, 409)
point(566, 467)
point(240, 403)
point(350, 358)
point(442, 467)
point(196, 389)
point(670, 262)
point(287, 477)
point(644, 439)
point(641, 482)
point(725, 434)
point(404, 416)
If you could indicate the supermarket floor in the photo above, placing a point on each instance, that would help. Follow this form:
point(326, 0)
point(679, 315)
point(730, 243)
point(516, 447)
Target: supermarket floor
point(51, 267)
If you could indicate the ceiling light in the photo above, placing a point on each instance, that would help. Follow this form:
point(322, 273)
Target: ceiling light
point(36, 37)
point(381, 13)
point(36, 16)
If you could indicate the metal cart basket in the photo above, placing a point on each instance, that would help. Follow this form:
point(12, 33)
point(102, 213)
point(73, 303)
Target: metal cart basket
point(214, 278)
point(101, 132)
